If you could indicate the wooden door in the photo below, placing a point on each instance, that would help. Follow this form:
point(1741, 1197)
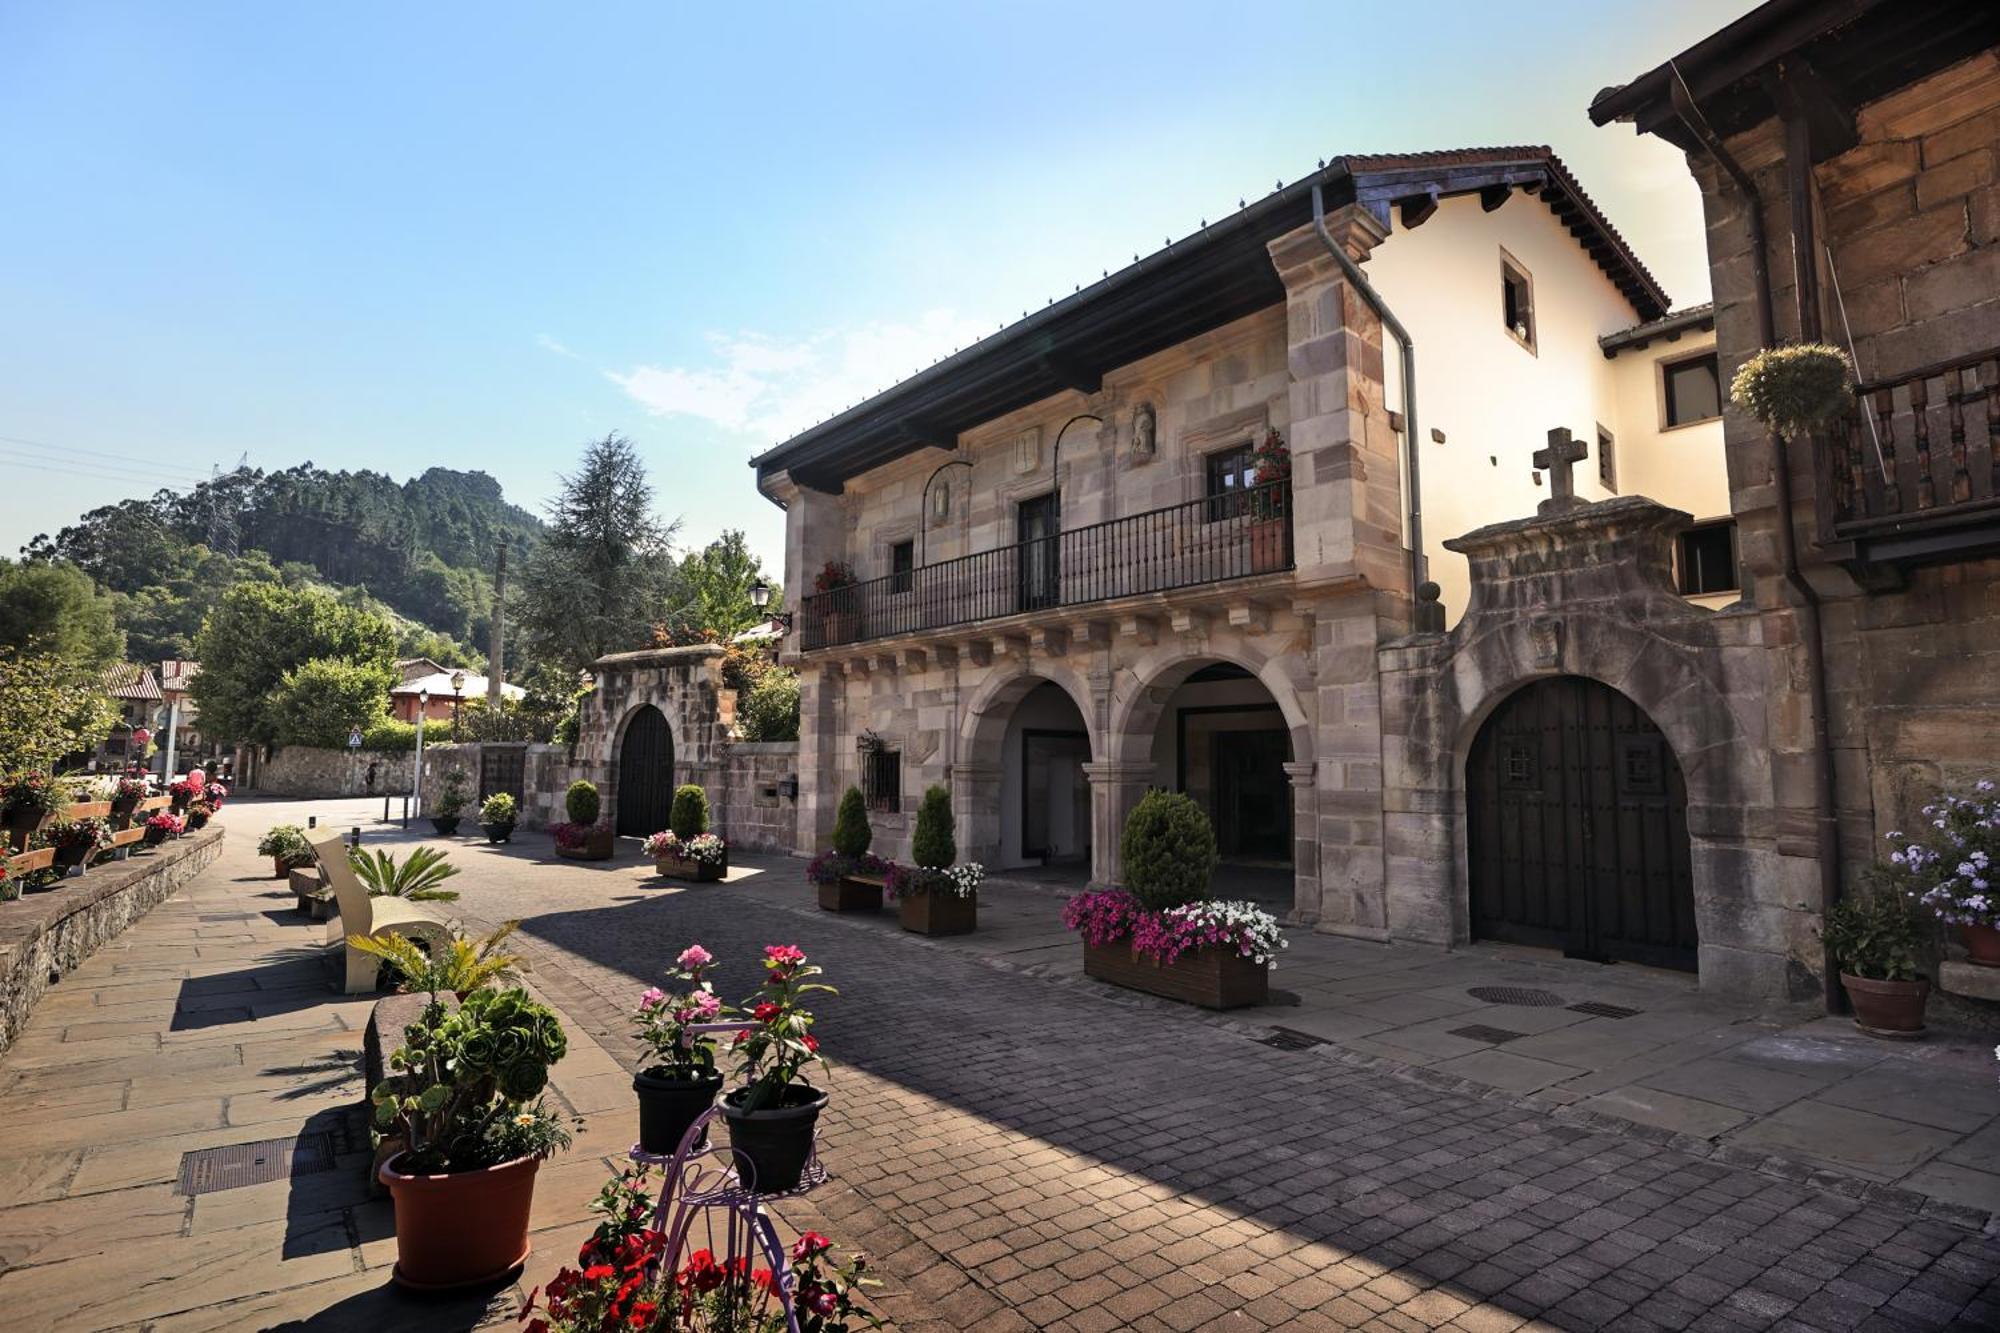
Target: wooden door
point(645, 774)
point(1038, 527)
point(1577, 828)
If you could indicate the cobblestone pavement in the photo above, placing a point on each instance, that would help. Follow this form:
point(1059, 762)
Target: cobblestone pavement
point(1037, 1154)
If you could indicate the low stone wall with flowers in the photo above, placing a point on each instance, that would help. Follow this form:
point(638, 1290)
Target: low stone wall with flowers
point(43, 935)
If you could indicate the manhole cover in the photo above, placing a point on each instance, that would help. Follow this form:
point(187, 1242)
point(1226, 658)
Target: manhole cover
point(1480, 1032)
point(1599, 1009)
point(239, 1164)
point(1526, 995)
point(1289, 1039)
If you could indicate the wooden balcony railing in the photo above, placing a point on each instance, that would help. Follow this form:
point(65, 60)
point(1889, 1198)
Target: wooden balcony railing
point(1914, 474)
point(1201, 541)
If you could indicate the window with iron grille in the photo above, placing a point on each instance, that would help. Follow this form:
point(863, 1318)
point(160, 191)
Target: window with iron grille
point(902, 566)
point(882, 774)
point(1707, 559)
point(1228, 476)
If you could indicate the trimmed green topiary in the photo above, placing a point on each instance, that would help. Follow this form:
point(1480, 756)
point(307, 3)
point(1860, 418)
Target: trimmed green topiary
point(1169, 851)
point(932, 846)
point(851, 834)
point(689, 816)
point(581, 802)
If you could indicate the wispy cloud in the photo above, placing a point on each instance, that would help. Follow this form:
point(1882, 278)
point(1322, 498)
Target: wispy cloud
point(543, 340)
point(770, 388)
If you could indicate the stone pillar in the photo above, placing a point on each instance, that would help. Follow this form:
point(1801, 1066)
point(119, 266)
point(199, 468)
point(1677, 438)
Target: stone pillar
point(975, 800)
point(815, 532)
point(1115, 788)
point(1305, 843)
point(821, 699)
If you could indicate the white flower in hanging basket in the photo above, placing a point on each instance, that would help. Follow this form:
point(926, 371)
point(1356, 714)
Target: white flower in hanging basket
point(1795, 390)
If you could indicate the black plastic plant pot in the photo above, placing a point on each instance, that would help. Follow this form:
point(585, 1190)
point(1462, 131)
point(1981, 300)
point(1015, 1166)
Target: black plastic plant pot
point(773, 1145)
point(498, 833)
point(446, 825)
point(667, 1106)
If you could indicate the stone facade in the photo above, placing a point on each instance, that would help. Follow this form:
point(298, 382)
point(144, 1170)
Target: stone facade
point(307, 771)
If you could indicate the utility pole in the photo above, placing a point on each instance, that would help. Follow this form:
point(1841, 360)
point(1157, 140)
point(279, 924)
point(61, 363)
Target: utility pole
point(497, 633)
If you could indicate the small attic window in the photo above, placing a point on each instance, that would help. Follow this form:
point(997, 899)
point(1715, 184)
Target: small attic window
point(1517, 301)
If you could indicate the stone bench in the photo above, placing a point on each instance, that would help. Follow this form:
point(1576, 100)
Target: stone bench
point(315, 895)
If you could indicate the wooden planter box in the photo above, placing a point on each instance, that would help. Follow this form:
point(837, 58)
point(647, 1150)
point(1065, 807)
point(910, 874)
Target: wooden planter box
point(938, 913)
point(597, 846)
point(1211, 978)
point(852, 893)
point(678, 867)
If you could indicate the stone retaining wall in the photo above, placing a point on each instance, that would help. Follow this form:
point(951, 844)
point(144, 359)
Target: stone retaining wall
point(305, 771)
point(45, 934)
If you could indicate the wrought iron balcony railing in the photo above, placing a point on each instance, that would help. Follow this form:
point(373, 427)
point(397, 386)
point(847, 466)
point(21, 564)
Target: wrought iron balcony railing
point(1211, 540)
point(1914, 474)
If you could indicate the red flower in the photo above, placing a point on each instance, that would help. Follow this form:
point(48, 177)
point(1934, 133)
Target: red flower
point(811, 1042)
point(598, 1272)
point(808, 1245)
point(786, 955)
point(742, 1035)
point(765, 1012)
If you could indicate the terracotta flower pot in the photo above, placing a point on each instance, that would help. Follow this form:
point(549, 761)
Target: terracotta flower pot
point(1982, 944)
point(280, 870)
point(1267, 545)
point(772, 1146)
point(461, 1229)
point(667, 1106)
point(1887, 1008)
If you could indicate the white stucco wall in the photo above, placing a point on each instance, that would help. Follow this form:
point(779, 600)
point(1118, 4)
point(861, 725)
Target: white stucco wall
point(1494, 399)
point(1682, 466)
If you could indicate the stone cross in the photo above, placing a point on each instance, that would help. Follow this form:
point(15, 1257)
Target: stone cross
point(1556, 460)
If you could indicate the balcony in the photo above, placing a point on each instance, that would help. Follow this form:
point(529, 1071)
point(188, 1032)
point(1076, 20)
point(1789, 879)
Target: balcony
point(1213, 540)
point(1912, 479)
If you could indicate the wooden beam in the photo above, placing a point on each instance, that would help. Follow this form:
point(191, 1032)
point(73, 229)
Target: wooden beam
point(1799, 90)
point(1416, 209)
point(1493, 196)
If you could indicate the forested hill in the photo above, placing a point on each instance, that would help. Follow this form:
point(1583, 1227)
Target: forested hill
point(423, 547)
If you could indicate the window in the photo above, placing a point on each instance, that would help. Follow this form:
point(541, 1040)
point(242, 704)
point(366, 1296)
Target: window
point(902, 566)
point(1694, 390)
point(1229, 474)
point(1607, 461)
point(1517, 301)
point(882, 774)
point(1708, 559)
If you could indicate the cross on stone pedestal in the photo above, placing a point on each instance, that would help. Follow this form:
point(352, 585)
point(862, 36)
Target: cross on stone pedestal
point(1556, 460)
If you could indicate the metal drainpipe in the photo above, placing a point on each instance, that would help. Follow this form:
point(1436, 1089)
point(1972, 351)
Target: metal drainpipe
point(1419, 565)
point(1826, 825)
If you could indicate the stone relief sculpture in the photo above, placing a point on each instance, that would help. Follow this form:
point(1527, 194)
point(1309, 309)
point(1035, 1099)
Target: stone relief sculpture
point(1145, 429)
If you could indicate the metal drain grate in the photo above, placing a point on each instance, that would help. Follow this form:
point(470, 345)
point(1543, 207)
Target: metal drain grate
point(1480, 1032)
point(1523, 995)
point(1290, 1039)
point(240, 1164)
point(1599, 1009)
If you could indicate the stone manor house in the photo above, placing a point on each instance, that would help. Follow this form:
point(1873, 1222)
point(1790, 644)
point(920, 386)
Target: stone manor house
point(1544, 644)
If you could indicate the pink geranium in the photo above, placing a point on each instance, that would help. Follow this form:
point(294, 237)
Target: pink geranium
point(694, 956)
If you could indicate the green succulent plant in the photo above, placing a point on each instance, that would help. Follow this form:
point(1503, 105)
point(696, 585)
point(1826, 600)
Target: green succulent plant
point(461, 967)
point(416, 877)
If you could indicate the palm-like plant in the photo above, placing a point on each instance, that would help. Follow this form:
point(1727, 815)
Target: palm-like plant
point(416, 877)
point(463, 967)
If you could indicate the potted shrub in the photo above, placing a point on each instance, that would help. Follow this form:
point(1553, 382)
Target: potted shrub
point(77, 841)
point(849, 878)
point(1162, 933)
point(581, 837)
point(287, 847)
point(1874, 934)
point(774, 1117)
point(198, 814)
point(840, 615)
point(496, 817)
point(126, 793)
point(1269, 503)
point(686, 849)
point(679, 1081)
point(418, 877)
point(1952, 871)
point(451, 802)
point(181, 793)
point(29, 802)
point(462, 967)
point(936, 896)
point(463, 1100)
point(215, 793)
point(160, 827)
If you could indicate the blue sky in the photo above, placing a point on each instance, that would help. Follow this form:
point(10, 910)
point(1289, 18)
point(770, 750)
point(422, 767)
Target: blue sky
point(402, 236)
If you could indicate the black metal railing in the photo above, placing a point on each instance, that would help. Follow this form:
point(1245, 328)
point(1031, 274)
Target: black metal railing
point(1920, 450)
point(1210, 540)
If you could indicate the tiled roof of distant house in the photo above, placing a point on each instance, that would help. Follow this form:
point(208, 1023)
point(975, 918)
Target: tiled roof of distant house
point(129, 680)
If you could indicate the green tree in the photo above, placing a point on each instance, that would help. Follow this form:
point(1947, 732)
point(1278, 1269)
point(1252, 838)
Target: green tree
point(769, 710)
point(322, 701)
point(711, 593)
point(56, 608)
point(1168, 850)
point(597, 582)
point(933, 845)
point(852, 834)
point(688, 816)
point(50, 706)
point(261, 631)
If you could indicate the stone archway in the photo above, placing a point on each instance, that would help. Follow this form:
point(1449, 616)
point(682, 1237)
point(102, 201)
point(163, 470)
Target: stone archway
point(645, 788)
point(1015, 725)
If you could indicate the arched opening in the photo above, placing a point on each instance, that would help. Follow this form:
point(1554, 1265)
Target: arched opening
point(645, 773)
point(1576, 828)
point(1044, 792)
point(1222, 740)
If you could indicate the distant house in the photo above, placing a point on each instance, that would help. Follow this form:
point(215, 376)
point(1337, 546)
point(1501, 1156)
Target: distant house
point(437, 682)
point(141, 708)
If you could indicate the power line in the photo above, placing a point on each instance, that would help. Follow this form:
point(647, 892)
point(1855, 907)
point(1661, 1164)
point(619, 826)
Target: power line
point(139, 472)
point(95, 453)
point(58, 469)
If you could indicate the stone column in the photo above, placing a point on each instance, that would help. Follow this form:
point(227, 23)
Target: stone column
point(1305, 843)
point(821, 691)
point(815, 532)
point(1115, 787)
point(975, 799)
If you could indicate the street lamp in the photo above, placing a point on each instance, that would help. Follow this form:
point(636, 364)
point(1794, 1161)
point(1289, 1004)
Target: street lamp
point(760, 597)
point(457, 692)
